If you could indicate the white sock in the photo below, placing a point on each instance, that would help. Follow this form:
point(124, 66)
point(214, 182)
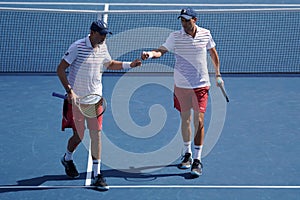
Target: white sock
point(198, 152)
point(68, 155)
point(187, 147)
point(96, 167)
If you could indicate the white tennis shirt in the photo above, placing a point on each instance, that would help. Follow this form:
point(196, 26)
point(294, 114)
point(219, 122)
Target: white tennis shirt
point(86, 66)
point(190, 69)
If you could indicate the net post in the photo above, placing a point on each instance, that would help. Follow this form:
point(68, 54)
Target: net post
point(106, 9)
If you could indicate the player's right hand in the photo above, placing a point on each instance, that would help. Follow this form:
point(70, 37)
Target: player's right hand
point(145, 55)
point(72, 97)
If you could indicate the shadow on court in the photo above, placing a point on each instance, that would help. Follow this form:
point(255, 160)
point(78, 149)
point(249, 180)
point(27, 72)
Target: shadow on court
point(136, 174)
point(132, 175)
point(37, 181)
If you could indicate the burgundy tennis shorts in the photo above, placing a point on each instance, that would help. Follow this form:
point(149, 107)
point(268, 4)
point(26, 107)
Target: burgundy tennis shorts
point(185, 99)
point(73, 118)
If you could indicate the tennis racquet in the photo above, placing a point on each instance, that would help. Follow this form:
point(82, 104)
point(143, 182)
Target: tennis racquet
point(224, 92)
point(91, 106)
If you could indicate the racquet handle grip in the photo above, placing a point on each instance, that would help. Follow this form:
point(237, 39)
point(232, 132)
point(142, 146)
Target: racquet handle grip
point(224, 93)
point(59, 95)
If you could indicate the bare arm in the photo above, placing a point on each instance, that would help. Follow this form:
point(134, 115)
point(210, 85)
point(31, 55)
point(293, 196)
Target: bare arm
point(215, 59)
point(156, 53)
point(118, 65)
point(61, 73)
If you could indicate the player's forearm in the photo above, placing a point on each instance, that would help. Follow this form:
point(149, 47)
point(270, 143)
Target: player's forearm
point(64, 80)
point(215, 59)
point(61, 73)
point(156, 53)
point(115, 65)
point(217, 70)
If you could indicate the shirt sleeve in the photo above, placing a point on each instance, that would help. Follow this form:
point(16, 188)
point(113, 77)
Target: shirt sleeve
point(211, 43)
point(107, 57)
point(170, 43)
point(71, 54)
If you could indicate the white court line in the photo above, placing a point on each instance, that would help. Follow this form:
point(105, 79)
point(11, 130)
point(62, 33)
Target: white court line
point(162, 187)
point(88, 178)
point(87, 143)
point(210, 186)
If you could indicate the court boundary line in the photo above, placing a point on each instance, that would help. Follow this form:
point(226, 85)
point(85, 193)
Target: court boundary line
point(160, 187)
point(88, 178)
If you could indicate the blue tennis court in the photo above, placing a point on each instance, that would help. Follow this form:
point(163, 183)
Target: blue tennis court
point(251, 151)
point(256, 154)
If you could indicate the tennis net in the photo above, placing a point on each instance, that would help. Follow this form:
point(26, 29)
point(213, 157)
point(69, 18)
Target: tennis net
point(248, 40)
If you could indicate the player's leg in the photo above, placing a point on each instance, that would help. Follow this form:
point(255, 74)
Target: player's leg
point(182, 102)
point(199, 107)
point(199, 129)
point(186, 129)
point(78, 126)
point(198, 143)
point(198, 137)
point(96, 148)
point(186, 133)
point(95, 127)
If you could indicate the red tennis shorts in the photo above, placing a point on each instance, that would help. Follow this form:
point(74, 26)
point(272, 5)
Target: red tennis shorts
point(73, 118)
point(185, 99)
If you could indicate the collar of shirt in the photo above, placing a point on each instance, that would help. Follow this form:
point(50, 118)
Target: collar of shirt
point(88, 42)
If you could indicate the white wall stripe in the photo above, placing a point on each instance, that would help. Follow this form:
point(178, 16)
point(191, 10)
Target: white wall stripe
point(149, 4)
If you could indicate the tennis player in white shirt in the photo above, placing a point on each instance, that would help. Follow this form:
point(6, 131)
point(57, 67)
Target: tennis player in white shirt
point(190, 46)
point(86, 59)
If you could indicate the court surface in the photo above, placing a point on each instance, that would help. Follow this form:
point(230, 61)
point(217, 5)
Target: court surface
point(251, 152)
point(255, 157)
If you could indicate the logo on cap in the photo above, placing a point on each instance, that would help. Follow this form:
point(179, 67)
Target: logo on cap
point(188, 13)
point(183, 11)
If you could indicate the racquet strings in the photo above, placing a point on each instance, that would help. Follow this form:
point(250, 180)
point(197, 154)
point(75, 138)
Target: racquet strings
point(94, 109)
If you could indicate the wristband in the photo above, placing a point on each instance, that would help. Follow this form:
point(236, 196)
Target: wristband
point(126, 65)
point(218, 75)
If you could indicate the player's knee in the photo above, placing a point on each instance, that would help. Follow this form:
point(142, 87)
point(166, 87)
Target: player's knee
point(186, 121)
point(186, 117)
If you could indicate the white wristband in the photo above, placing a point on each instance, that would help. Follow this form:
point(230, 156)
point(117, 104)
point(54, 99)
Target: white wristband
point(126, 65)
